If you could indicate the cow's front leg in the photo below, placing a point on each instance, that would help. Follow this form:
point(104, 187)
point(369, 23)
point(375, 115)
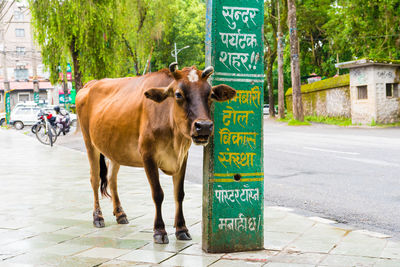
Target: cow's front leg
point(181, 232)
point(151, 168)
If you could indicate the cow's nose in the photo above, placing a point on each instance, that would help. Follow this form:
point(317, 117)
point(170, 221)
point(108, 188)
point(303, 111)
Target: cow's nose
point(204, 127)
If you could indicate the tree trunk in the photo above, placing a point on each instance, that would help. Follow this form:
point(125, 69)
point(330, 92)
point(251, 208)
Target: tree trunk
point(295, 63)
point(281, 90)
point(77, 71)
point(270, 87)
point(77, 76)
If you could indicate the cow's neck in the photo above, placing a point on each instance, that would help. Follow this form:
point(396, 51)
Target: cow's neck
point(181, 142)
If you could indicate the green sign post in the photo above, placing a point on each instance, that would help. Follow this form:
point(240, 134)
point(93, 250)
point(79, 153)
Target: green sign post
point(36, 97)
point(7, 104)
point(233, 178)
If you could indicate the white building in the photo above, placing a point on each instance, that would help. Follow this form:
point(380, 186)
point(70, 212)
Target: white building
point(22, 56)
point(374, 90)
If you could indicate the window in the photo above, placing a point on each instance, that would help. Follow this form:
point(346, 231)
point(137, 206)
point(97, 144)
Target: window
point(362, 92)
point(20, 32)
point(21, 74)
point(18, 15)
point(23, 97)
point(20, 50)
point(392, 90)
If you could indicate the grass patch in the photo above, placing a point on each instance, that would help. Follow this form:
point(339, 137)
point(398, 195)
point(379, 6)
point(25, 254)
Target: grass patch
point(293, 122)
point(339, 121)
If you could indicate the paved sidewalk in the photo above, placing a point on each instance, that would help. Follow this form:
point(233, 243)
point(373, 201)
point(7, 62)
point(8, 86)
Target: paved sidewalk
point(46, 219)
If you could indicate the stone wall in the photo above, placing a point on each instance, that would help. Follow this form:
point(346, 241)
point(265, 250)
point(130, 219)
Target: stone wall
point(330, 97)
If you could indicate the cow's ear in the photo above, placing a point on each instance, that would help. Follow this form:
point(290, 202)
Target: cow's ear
point(158, 94)
point(222, 92)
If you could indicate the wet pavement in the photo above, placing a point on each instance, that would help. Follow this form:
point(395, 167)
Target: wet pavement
point(46, 220)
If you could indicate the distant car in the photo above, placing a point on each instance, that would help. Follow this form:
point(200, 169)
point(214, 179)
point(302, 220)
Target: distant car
point(23, 115)
point(266, 109)
point(2, 118)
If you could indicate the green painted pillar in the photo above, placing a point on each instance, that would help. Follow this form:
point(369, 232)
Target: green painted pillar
point(233, 175)
point(7, 104)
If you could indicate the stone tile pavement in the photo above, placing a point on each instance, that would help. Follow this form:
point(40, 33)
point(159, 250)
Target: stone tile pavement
point(46, 220)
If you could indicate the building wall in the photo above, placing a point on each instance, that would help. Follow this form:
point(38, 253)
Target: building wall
point(330, 97)
point(378, 107)
point(363, 110)
point(19, 18)
point(388, 108)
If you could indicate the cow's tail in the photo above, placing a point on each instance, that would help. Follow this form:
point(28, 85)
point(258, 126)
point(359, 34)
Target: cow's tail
point(103, 176)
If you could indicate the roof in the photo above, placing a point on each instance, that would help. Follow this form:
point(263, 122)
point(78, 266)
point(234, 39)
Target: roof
point(335, 82)
point(26, 85)
point(367, 62)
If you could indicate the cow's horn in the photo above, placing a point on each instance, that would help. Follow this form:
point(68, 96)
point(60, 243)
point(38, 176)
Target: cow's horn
point(207, 72)
point(173, 66)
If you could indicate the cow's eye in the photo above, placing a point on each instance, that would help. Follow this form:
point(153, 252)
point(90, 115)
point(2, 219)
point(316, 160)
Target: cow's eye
point(178, 95)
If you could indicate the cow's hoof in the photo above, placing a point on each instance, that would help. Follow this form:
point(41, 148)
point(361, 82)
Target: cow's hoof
point(183, 235)
point(122, 219)
point(99, 223)
point(160, 237)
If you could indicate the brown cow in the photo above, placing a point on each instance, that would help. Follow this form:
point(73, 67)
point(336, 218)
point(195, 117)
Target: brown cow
point(148, 121)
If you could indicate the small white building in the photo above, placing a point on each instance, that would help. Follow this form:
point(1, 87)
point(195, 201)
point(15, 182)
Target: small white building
point(374, 90)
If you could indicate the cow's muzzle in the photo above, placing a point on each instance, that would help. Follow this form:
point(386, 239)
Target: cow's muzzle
point(202, 129)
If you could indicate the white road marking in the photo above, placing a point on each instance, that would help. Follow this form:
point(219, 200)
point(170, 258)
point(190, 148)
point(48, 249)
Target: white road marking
point(291, 152)
point(372, 161)
point(193, 77)
point(331, 151)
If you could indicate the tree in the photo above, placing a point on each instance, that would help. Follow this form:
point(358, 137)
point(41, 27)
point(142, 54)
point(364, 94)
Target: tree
point(360, 28)
point(86, 31)
point(281, 89)
point(295, 64)
point(270, 49)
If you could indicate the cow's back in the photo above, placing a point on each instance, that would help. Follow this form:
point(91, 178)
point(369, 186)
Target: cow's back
point(111, 112)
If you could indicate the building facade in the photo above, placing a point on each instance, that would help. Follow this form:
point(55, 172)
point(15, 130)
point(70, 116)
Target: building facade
point(374, 91)
point(369, 94)
point(21, 61)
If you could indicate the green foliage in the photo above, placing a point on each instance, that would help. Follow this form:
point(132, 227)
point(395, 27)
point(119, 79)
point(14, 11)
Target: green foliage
point(88, 28)
point(186, 28)
point(115, 38)
point(373, 122)
point(365, 28)
point(339, 81)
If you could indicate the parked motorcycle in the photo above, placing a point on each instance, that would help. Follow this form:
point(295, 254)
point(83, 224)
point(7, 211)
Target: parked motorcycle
point(61, 124)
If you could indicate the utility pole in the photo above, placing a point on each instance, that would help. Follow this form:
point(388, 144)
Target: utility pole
point(175, 52)
point(4, 60)
point(281, 90)
point(295, 62)
point(7, 105)
point(34, 71)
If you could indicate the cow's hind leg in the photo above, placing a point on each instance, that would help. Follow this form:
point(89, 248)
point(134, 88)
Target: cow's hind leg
point(181, 233)
point(160, 235)
point(118, 211)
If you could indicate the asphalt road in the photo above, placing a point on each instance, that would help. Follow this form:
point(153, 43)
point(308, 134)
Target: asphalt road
point(351, 175)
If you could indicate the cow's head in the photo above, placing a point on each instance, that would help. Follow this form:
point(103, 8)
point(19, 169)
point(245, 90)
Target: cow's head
point(193, 96)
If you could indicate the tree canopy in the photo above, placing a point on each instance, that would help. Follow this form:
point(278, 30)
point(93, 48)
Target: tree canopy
point(116, 38)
